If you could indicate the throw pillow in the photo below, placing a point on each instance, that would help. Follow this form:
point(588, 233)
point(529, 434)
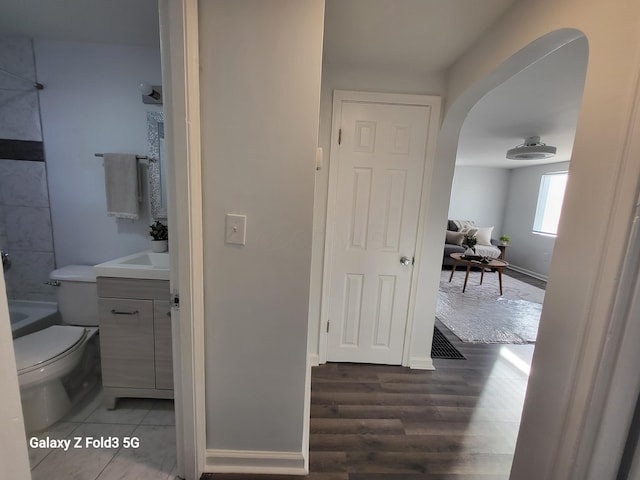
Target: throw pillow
point(471, 231)
point(484, 235)
point(461, 224)
point(454, 238)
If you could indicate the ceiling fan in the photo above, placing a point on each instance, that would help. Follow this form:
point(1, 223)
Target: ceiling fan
point(531, 149)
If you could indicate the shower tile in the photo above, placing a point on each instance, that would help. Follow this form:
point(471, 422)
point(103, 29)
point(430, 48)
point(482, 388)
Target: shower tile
point(16, 51)
point(31, 150)
point(81, 463)
point(20, 112)
point(29, 271)
point(29, 228)
point(20, 115)
point(23, 183)
point(49, 296)
point(153, 459)
point(4, 239)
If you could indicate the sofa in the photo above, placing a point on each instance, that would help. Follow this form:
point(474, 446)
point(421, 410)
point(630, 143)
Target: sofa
point(486, 245)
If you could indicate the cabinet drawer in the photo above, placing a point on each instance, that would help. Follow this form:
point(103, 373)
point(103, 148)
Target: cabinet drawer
point(164, 355)
point(126, 342)
point(109, 287)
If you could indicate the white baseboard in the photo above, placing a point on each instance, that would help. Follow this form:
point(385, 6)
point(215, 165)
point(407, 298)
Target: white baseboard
point(421, 363)
point(314, 359)
point(255, 462)
point(528, 272)
point(306, 428)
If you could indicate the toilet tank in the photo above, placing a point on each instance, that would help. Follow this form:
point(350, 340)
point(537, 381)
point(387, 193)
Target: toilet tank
point(77, 295)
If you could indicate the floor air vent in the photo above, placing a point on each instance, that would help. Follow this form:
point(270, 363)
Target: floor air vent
point(443, 348)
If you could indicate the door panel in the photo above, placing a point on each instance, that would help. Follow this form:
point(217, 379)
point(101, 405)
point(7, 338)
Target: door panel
point(352, 310)
point(380, 168)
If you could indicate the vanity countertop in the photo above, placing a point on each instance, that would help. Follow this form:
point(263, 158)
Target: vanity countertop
point(146, 264)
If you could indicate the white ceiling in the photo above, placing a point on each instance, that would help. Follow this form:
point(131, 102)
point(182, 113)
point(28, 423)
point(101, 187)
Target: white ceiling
point(419, 35)
point(409, 35)
point(127, 22)
point(543, 100)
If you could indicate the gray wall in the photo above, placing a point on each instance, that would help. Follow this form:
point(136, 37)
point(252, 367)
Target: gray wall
point(259, 137)
point(25, 219)
point(90, 104)
point(480, 194)
point(506, 199)
point(530, 252)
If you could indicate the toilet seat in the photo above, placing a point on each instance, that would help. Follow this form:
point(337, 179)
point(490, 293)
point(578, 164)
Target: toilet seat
point(37, 349)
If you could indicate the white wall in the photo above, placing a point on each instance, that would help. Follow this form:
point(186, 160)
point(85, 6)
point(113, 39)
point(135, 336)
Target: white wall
point(260, 71)
point(599, 200)
point(90, 104)
point(480, 194)
point(528, 251)
point(356, 78)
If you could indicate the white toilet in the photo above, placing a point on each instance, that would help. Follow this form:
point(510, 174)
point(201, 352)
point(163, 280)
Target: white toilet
point(58, 365)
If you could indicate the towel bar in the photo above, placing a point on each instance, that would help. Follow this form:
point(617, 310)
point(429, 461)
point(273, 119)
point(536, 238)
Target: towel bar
point(138, 157)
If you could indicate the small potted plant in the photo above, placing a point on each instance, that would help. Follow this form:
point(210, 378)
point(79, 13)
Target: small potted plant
point(505, 239)
point(159, 236)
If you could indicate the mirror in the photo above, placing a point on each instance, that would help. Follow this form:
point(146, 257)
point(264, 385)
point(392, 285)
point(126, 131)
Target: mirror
point(157, 165)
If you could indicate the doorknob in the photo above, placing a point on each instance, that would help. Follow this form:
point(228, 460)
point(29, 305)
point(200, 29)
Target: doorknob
point(406, 261)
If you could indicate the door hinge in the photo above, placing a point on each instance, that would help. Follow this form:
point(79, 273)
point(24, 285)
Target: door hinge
point(339, 136)
point(328, 323)
point(175, 300)
point(413, 260)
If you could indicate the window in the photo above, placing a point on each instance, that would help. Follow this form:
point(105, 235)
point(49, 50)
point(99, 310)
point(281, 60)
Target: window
point(550, 198)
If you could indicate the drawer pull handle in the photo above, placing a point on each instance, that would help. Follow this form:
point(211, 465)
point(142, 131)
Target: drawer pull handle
point(116, 312)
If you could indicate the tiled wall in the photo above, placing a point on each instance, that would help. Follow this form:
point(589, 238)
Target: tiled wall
point(25, 218)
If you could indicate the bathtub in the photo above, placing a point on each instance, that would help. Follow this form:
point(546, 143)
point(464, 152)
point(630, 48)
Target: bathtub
point(30, 316)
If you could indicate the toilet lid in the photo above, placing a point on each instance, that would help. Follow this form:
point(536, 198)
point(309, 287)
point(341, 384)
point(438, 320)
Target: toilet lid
point(44, 345)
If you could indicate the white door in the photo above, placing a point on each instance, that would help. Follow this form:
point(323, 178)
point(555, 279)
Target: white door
point(380, 163)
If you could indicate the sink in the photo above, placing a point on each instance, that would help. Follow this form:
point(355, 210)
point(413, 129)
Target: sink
point(156, 260)
point(147, 264)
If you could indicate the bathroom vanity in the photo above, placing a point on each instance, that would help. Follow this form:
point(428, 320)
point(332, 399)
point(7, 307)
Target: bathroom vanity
point(135, 328)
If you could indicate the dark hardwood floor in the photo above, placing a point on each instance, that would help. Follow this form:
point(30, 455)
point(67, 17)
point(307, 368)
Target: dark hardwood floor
point(459, 422)
point(536, 282)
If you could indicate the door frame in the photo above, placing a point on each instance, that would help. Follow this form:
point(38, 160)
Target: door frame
point(340, 96)
point(181, 79)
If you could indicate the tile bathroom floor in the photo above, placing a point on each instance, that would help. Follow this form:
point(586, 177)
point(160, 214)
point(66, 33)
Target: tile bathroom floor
point(152, 422)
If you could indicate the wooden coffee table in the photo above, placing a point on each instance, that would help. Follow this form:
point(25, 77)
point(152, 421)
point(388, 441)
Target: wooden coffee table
point(496, 264)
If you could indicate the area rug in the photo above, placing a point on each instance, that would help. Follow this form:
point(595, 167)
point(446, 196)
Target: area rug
point(482, 315)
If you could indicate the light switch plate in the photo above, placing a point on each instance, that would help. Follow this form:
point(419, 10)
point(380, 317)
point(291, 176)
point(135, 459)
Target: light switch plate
point(235, 229)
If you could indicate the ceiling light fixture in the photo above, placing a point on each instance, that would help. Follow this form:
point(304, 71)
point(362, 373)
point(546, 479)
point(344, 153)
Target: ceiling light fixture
point(531, 149)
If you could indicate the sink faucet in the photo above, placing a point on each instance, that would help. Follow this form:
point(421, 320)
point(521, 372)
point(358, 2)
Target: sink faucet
point(6, 260)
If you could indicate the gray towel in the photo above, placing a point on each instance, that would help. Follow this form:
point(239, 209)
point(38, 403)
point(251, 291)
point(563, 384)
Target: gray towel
point(121, 185)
